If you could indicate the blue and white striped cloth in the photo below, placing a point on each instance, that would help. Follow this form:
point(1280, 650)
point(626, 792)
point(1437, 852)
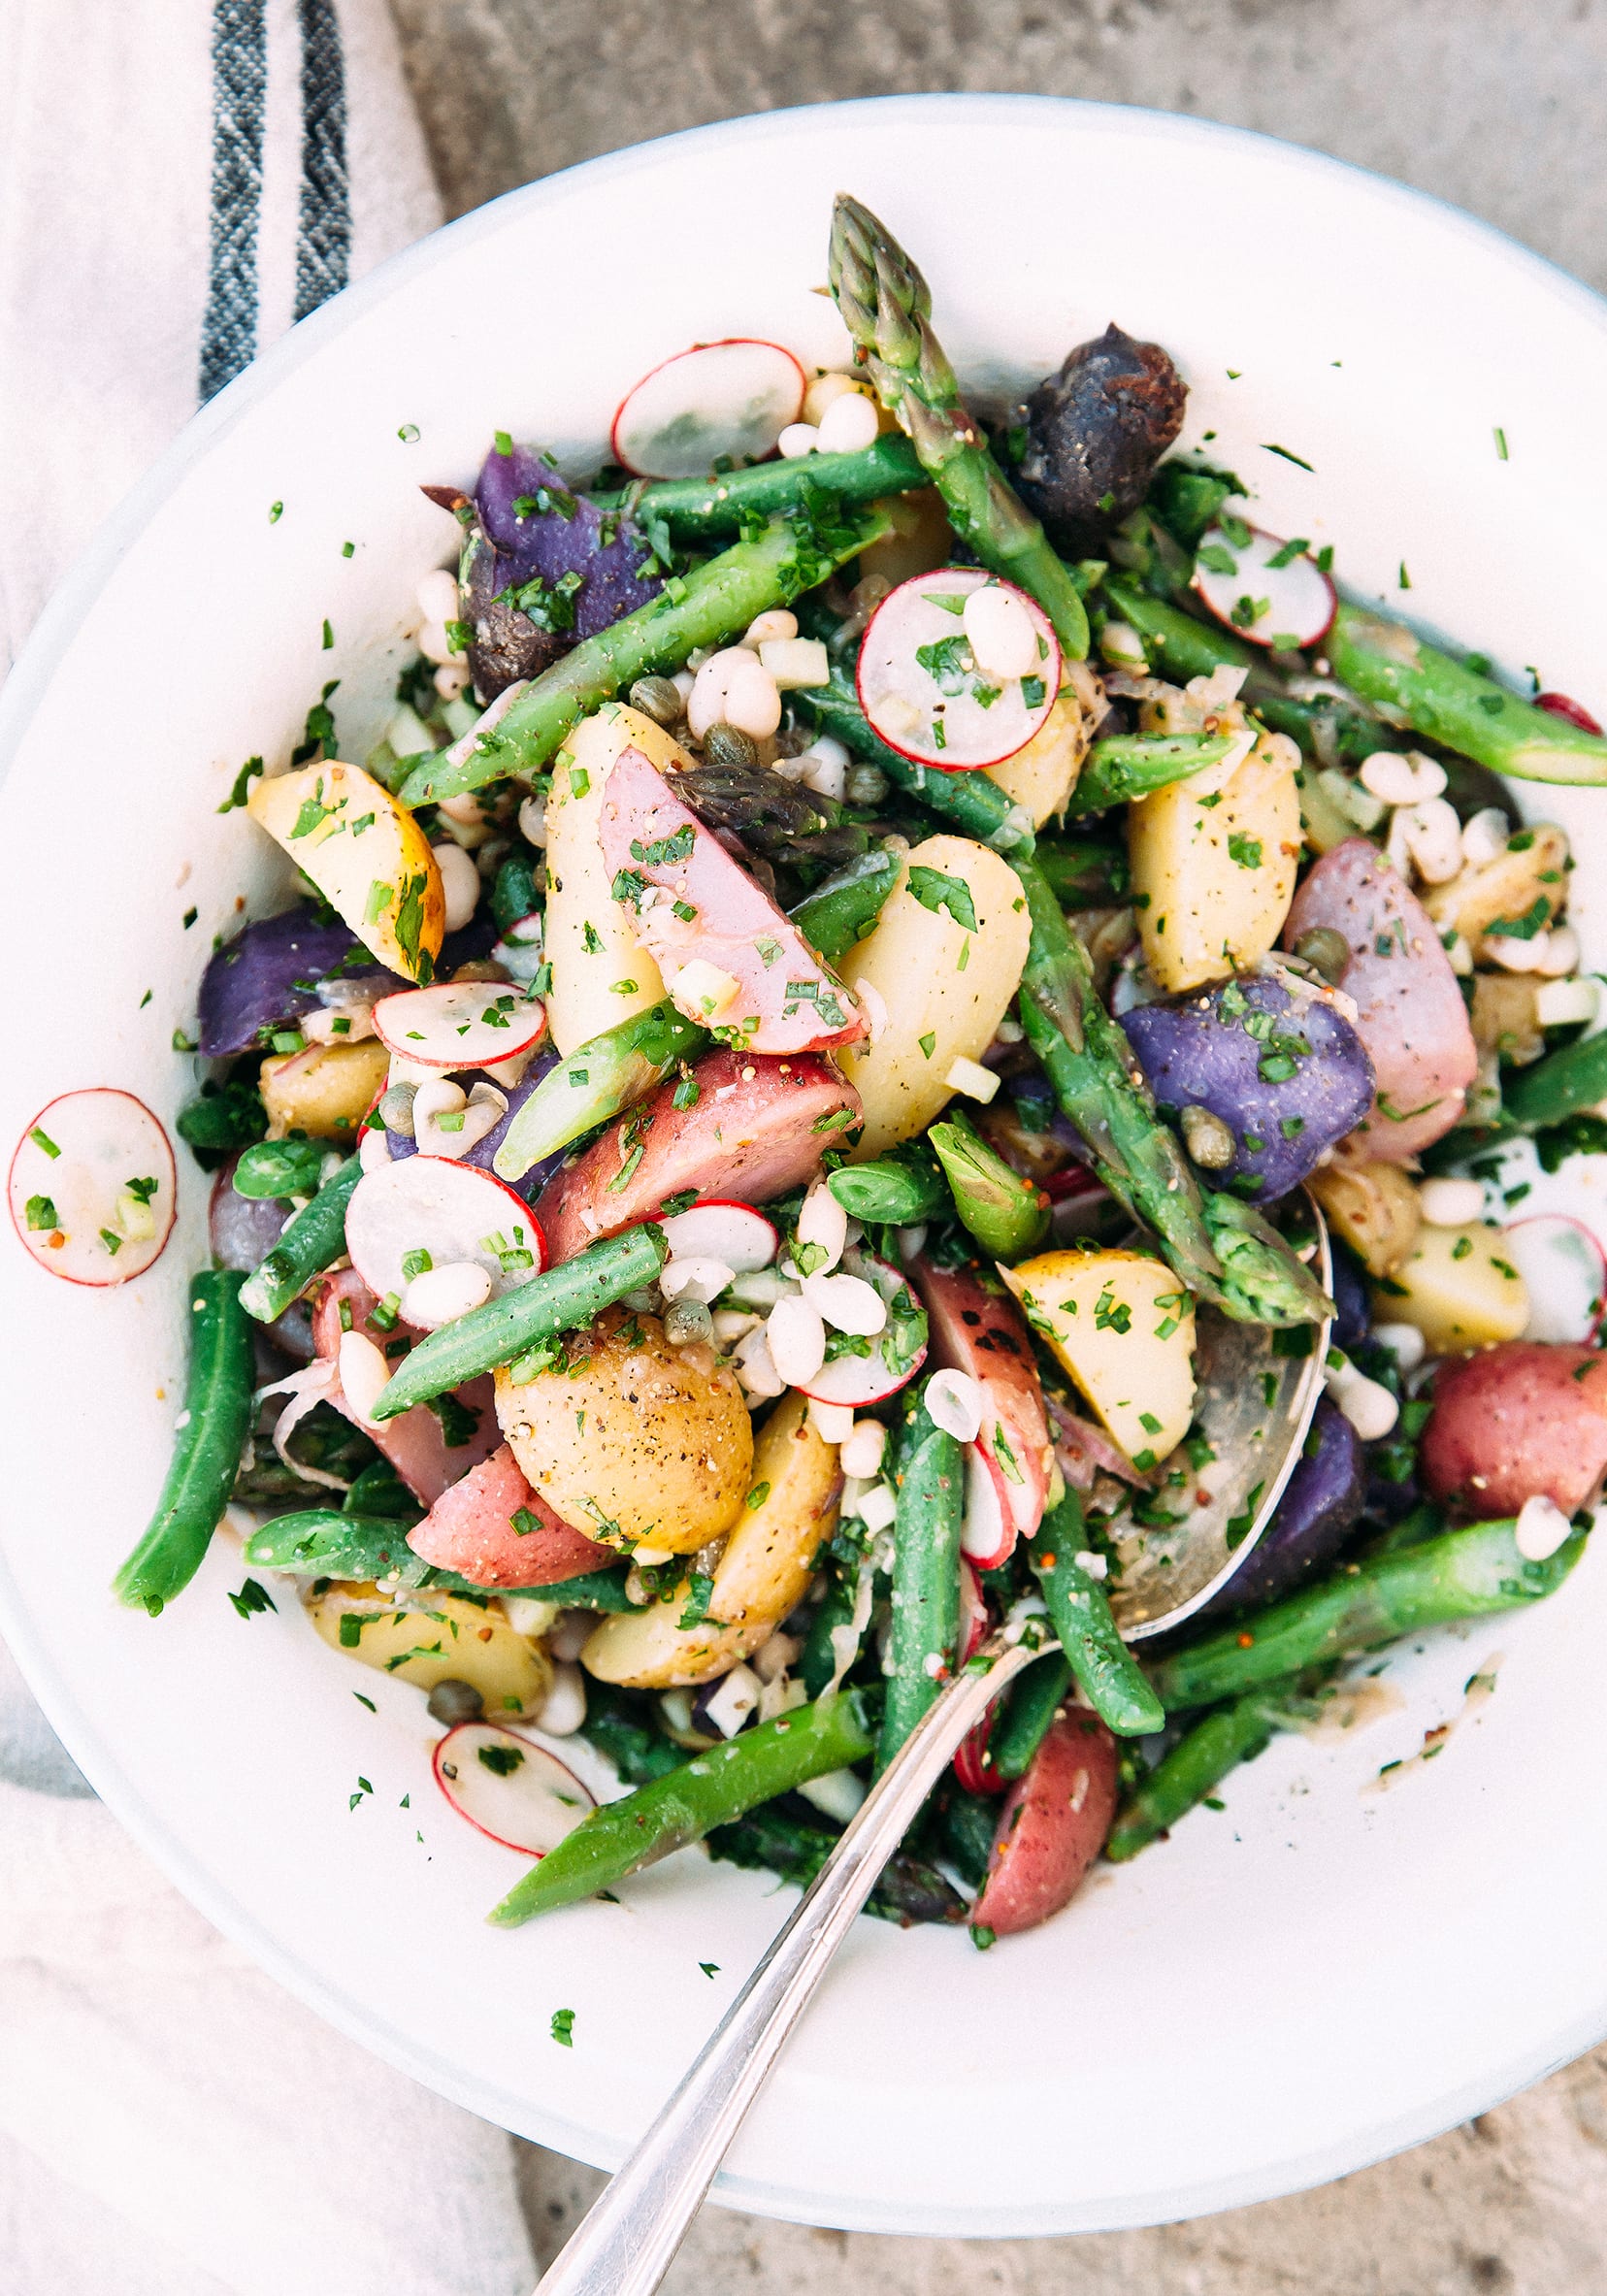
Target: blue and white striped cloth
point(180, 180)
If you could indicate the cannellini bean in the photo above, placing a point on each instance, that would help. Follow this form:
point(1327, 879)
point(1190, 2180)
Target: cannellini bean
point(460, 884)
point(347, 1026)
point(848, 1304)
point(374, 1151)
point(1513, 955)
point(1404, 1341)
point(775, 623)
point(1461, 956)
point(796, 662)
point(435, 645)
point(863, 1448)
point(1561, 952)
point(848, 425)
point(695, 1278)
point(797, 441)
point(732, 1324)
point(1121, 644)
point(1366, 1403)
point(564, 1708)
point(1484, 835)
point(451, 679)
point(823, 391)
point(438, 595)
point(823, 1221)
point(832, 1423)
point(733, 688)
point(1451, 1204)
point(954, 1403)
point(972, 1079)
point(823, 768)
point(440, 1295)
point(1408, 780)
point(532, 820)
point(797, 1333)
point(1003, 636)
point(755, 1365)
point(1432, 835)
point(436, 1097)
point(363, 1370)
point(1562, 1004)
point(1542, 1528)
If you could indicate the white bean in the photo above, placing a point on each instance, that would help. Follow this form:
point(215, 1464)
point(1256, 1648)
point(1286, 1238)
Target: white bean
point(440, 1295)
point(848, 425)
point(1542, 1527)
point(532, 820)
point(1484, 835)
point(823, 392)
point(832, 1423)
point(776, 622)
point(797, 1333)
point(1434, 838)
point(823, 1221)
point(1451, 1204)
point(451, 679)
point(1404, 1341)
point(863, 1448)
point(1398, 780)
point(435, 645)
point(755, 1367)
point(695, 1278)
point(1562, 953)
point(732, 688)
point(1514, 954)
point(1368, 1405)
point(460, 884)
point(848, 1304)
point(363, 1371)
point(797, 441)
point(438, 595)
point(954, 1403)
point(564, 1708)
point(1001, 632)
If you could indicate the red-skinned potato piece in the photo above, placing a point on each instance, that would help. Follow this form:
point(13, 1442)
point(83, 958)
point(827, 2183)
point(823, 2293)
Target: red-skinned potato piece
point(1522, 1420)
point(1410, 1014)
point(471, 1529)
point(781, 997)
point(984, 1336)
point(415, 1444)
point(1052, 1828)
point(756, 1130)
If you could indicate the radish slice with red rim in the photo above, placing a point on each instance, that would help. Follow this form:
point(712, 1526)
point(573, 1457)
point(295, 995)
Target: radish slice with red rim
point(427, 1213)
point(988, 1533)
point(1566, 1271)
point(509, 1787)
point(460, 1023)
point(733, 398)
point(868, 1370)
point(958, 669)
point(1254, 585)
point(741, 1238)
point(1574, 712)
point(92, 1187)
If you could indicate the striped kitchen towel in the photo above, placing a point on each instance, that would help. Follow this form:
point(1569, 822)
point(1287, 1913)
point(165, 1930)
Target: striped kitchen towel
point(179, 180)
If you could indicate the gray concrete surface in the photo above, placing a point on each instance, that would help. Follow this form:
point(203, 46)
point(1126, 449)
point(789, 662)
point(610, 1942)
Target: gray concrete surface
point(1498, 104)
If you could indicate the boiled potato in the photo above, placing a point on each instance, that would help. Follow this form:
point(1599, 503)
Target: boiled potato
point(917, 541)
point(428, 1638)
point(1042, 777)
point(324, 1090)
point(1532, 868)
point(1374, 1208)
point(632, 1441)
point(1123, 1328)
point(946, 986)
point(367, 856)
point(591, 941)
point(1457, 1289)
point(762, 1575)
point(1213, 865)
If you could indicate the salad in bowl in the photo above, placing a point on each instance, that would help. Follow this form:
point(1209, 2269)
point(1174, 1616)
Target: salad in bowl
point(877, 921)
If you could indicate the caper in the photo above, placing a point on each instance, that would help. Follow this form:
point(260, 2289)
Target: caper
point(396, 1108)
point(866, 785)
point(1325, 950)
point(657, 698)
point(729, 746)
point(452, 1701)
point(687, 1322)
point(1209, 1141)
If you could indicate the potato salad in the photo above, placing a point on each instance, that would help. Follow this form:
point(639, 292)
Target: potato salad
point(878, 921)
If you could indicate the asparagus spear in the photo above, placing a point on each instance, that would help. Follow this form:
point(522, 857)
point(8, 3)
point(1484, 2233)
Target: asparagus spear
point(1558, 1086)
point(1130, 765)
point(1388, 664)
point(973, 802)
point(1008, 1216)
point(1232, 1735)
point(702, 608)
point(1461, 1574)
point(697, 509)
point(886, 305)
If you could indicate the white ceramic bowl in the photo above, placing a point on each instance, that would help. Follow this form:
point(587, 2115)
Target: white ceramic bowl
point(1321, 1974)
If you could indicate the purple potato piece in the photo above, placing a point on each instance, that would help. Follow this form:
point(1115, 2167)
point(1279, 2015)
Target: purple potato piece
point(402, 1144)
point(1213, 1049)
point(1321, 1505)
point(1094, 433)
point(255, 982)
point(564, 533)
point(1354, 1319)
point(243, 1231)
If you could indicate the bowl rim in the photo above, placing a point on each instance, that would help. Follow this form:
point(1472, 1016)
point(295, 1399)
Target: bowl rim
point(67, 609)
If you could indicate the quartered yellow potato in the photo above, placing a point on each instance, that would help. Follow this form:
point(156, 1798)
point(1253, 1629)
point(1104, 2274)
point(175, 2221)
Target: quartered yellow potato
point(367, 856)
point(1373, 1206)
point(633, 1441)
point(1123, 1328)
point(1459, 1290)
point(791, 1508)
point(1524, 884)
point(601, 973)
point(427, 1638)
point(1042, 777)
point(1213, 865)
point(945, 986)
point(324, 1090)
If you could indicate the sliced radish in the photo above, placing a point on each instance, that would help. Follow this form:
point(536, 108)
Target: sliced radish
point(736, 1235)
point(988, 1534)
point(509, 1787)
point(1563, 706)
point(892, 1359)
point(974, 1614)
point(1566, 1271)
point(92, 1188)
point(733, 398)
point(446, 1214)
point(460, 1023)
point(1284, 606)
point(975, 1772)
point(925, 677)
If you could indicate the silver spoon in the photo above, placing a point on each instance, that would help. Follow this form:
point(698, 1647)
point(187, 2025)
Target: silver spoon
point(628, 2238)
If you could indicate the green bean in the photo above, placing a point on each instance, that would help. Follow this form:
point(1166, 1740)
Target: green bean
point(514, 893)
point(697, 509)
point(522, 1320)
point(1183, 1778)
point(279, 1169)
point(313, 1240)
point(702, 608)
point(598, 1079)
point(206, 1455)
point(711, 1789)
point(1461, 1574)
point(1558, 1086)
point(1110, 1677)
point(1008, 1215)
point(1174, 640)
point(973, 803)
point(1033, 1702)
point(835, 1608)
point(1127, 765)
point(1084, 872)
point(929, 1482)
point(327, 1543)
point(899, 1190)
point(843, 910)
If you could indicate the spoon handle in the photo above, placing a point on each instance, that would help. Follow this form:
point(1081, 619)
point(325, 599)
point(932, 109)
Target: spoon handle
point(627, 2239)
